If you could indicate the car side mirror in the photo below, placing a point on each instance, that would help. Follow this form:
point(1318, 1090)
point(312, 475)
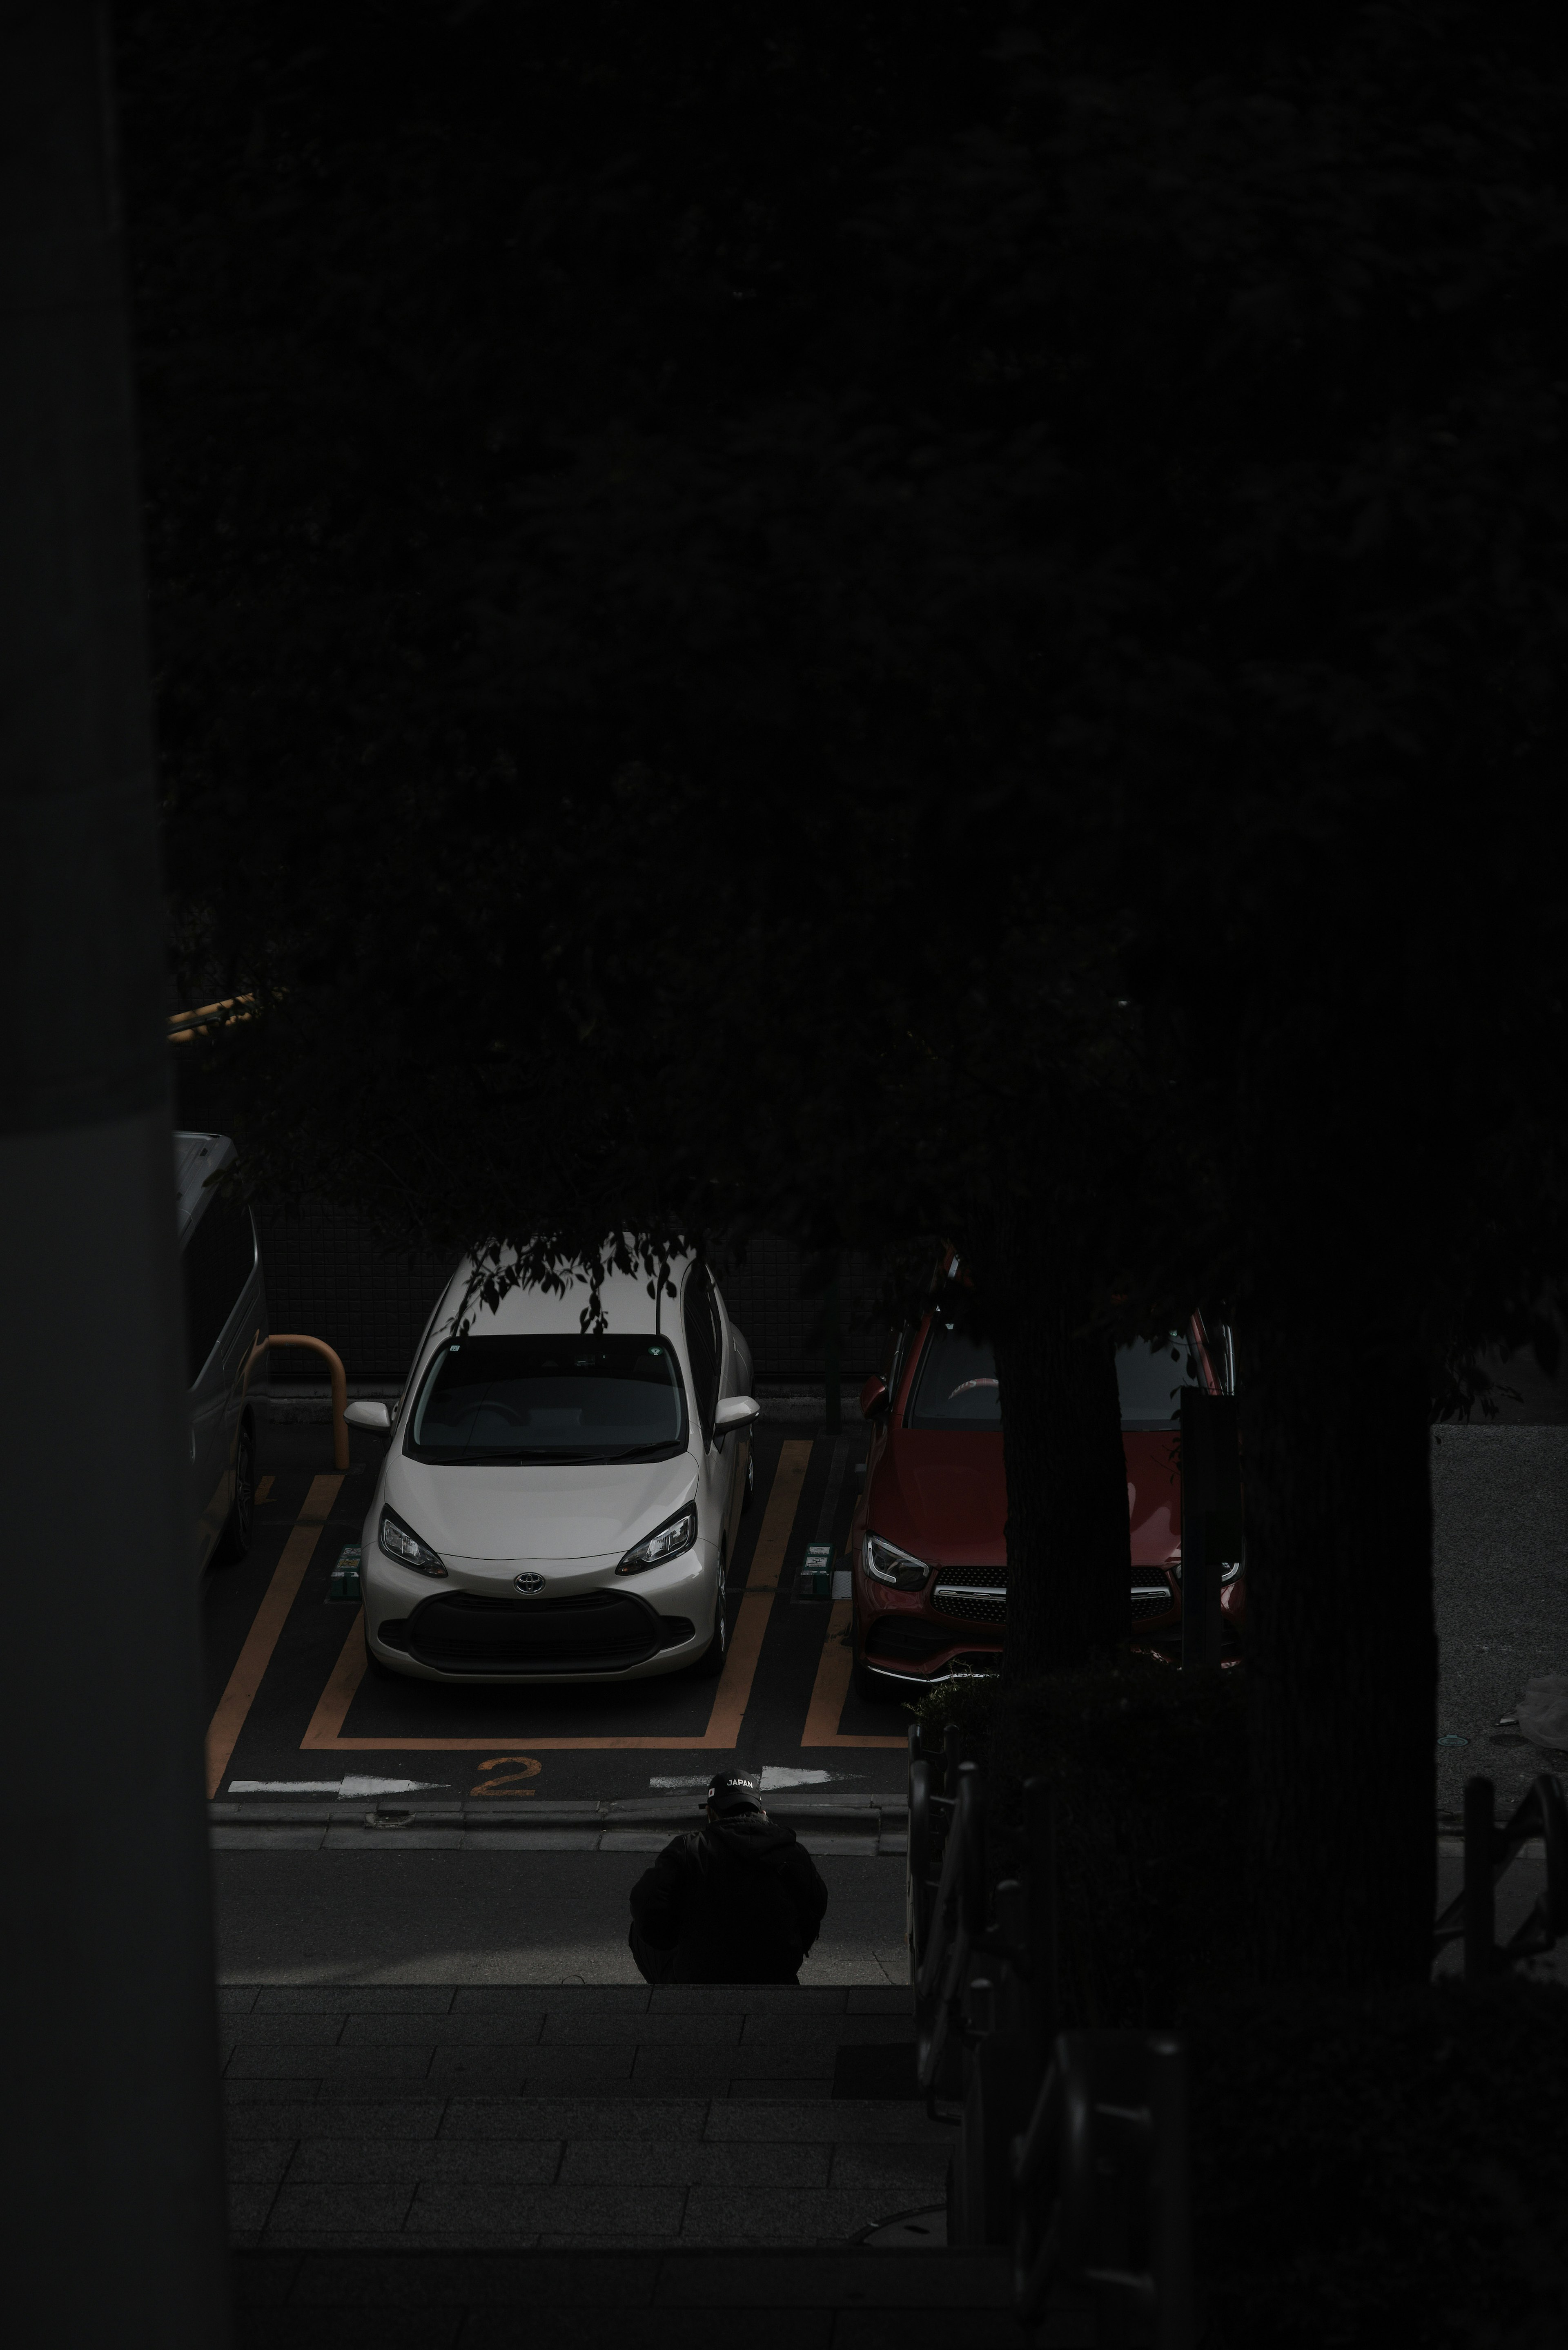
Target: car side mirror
point(366, 1414)
point(736, 1412)
point(874, 1398)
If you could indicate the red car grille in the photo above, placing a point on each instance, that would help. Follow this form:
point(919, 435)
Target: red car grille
point(975, 1594)
point(1148, 1602)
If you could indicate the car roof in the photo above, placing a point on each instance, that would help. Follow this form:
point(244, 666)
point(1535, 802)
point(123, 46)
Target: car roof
point(624, 1298)
point(196, 1157)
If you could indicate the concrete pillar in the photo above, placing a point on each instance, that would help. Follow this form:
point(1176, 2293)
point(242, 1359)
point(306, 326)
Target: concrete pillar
point(114, 2202)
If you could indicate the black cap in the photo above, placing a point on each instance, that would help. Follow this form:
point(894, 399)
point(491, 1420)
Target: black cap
point(732, 1790)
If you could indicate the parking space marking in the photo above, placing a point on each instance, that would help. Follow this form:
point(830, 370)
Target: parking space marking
point(223, 1730)
point(834, 1672)
point(731, 1699)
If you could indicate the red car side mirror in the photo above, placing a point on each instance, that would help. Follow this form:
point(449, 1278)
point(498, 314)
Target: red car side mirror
point(873, 1397)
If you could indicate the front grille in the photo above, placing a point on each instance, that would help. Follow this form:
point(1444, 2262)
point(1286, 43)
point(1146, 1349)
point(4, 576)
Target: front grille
point(971, 1609)
point(975, 1594)
point(462, 1632)
point(1149, 1600)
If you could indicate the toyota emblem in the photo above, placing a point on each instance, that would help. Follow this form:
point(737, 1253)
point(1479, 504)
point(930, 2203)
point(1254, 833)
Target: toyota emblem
point(529, 1583)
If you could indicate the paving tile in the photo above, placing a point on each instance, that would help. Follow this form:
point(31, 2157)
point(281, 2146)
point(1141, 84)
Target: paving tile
point(643, 2330)
point(238, 2092)
point(495, 1998)
point(576, 2277)
point(788, 2092)
point(390, 2120)
point(680, 2072)
point(869, 1999)
point(749, 1999)
point(916, 2174)
point(576, 2028)
point(575, 2119)
point(358, 1999)
point(261, 2029)
point(542, 2073)
point(959, 2279)
point(338, 2209)
point(783, 2214)
point(237, 1999)
point(258, 2162)
point(770, 2030)
point(374, 2086)
point(378, 2160)
point(515, 2030)
point(348, 2329)
point(603, 2244)
point(250, 2204)
point(774, 2060)
point(362, 2240)
point(396, 2063)
point(825, 2120)
point(566, 2211)
point(691, 2162)
point(961, 2329)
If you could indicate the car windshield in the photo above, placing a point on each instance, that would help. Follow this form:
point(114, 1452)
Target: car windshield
point(1151, 1374)
point(550, 1398)
point(956, 1384)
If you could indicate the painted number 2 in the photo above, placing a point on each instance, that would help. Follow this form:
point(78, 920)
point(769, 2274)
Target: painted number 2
point(519, 1767)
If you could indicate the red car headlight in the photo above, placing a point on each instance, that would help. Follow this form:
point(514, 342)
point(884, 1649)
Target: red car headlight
point(888, 1564)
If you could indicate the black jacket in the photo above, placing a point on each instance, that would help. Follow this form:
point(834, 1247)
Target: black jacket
point(736, 1900)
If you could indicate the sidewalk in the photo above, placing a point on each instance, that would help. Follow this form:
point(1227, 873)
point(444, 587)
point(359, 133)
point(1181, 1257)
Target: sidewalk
point(511, 2118)
point(595, 2168)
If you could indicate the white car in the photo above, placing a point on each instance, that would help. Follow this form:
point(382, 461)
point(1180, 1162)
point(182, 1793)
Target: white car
point(555, 1505)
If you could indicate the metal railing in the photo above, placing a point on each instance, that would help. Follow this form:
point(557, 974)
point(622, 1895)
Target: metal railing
point(1072, 2146)
point(337, 1377)
point(1471, 1915)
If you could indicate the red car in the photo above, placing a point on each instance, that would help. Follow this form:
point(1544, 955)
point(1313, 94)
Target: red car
point(928, 1545)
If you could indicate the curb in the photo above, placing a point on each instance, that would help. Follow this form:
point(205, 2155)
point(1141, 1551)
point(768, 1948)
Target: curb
point(859, 1829)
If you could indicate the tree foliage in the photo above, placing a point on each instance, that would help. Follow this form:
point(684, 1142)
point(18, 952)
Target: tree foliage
point(909, 621)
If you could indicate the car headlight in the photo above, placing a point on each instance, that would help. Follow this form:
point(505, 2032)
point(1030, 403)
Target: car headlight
point(1229, 1569)
point(665, 1540)
point(890, 1564)
point(401, 1542)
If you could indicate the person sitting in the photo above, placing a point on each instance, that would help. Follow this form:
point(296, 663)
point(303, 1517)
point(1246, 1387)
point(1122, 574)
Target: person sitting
point(736, 1900)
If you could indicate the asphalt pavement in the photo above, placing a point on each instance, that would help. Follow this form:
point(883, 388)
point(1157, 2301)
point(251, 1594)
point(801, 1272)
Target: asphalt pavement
point(1500, 1496)
point(386, 1915)
point(299, 1735)
point(293, 1712)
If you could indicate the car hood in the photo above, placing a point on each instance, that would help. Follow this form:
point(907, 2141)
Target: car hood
point(473, 1510)
point(942, 1495)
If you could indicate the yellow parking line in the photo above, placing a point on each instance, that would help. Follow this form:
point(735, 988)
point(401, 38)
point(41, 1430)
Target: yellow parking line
point(223, 1730)
point(834, 1672)
point(731, 1699)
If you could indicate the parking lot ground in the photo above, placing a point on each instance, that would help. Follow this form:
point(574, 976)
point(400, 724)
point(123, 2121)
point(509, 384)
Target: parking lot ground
point(292, 1711)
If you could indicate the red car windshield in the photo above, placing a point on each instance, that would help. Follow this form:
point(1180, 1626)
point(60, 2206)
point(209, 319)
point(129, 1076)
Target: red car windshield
point(956, 1385)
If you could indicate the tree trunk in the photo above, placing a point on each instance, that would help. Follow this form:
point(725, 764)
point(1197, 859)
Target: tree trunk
point(1341, 1647)
point(1069, 1561)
